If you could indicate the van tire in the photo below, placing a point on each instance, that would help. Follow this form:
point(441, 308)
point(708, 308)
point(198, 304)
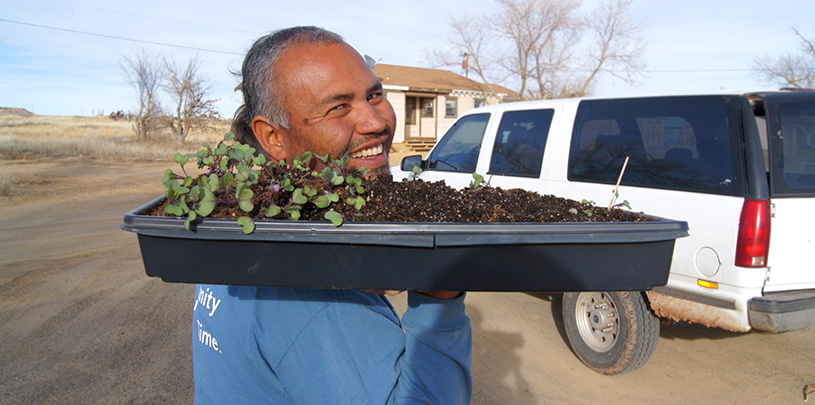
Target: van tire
point(604, 345)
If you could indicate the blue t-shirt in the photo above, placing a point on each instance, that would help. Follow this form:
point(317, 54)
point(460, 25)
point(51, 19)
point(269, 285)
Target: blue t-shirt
point(301, 346)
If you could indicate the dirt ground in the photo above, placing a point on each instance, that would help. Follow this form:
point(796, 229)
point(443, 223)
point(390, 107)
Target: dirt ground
point(81, 322)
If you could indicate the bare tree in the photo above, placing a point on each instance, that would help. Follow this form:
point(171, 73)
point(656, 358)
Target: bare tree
point(468, 44)
point(142, 70)
point(542, 34)
point(188, 89)
point(795, 70)
point(618, 46)
point(547, 49)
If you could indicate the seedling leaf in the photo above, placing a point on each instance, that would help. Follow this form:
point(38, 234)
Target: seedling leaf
point(245, 197)
point(294, 213)
point(247, 224)
point(334, 217)
point(298, 197)
point(322, 201)
point(191, 217)
point(174, 209)
point(272, 211)
point(181, 159)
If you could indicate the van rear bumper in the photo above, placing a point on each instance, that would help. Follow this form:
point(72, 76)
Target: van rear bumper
point(783, 311)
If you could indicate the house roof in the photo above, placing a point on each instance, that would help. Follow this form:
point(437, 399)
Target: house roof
point(433, 80)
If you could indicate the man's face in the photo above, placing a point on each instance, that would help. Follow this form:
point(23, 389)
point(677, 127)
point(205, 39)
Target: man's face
point(336, 106)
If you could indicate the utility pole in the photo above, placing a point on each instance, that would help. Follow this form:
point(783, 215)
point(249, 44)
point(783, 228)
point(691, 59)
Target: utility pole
point(465, 64)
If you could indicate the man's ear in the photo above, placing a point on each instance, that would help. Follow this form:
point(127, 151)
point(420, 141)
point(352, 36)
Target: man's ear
point(269, 136)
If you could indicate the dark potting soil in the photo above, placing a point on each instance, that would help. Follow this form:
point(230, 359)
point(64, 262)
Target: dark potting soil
point(422, 201)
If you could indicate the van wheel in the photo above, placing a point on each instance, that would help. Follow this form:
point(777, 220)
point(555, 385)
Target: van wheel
point(611, 332)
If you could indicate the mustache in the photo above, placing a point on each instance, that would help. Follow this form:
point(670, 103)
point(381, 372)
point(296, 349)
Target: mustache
point(387, 133)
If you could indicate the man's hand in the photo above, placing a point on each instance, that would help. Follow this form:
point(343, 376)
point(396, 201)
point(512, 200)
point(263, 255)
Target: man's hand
point(385, 292)
point(442, 295)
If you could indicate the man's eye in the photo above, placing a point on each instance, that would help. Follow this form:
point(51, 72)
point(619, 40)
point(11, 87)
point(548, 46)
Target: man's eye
point(338, 108)
point(375, 96)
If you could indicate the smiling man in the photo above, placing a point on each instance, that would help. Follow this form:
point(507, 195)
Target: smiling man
point(334, 103)
point(317, 95)
point(305, 89)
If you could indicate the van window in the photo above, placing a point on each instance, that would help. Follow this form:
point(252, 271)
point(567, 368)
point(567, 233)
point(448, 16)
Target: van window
point(792, 142)
point(458, 150)
point(679, 143)
point(519, 143)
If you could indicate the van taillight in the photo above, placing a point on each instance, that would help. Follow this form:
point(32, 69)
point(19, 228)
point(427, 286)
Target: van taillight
point(753, 244)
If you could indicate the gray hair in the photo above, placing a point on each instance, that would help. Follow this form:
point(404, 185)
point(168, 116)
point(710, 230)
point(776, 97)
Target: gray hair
point(263, 94)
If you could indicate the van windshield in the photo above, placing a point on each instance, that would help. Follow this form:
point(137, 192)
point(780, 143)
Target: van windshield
point(791, 136)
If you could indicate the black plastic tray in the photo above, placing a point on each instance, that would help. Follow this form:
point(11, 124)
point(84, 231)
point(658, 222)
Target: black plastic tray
point(585, 256)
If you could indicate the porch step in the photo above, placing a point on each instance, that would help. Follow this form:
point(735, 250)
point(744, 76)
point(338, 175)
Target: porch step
point(420, 144)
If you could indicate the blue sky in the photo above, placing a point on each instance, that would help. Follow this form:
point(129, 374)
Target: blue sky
point(693, 45)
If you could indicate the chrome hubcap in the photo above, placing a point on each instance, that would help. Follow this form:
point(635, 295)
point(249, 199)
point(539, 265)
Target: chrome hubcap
point(597, 323)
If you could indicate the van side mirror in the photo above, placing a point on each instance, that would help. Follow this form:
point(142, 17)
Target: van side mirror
point(409, 162)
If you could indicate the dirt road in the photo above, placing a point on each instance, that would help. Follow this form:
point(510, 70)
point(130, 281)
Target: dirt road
point(82, 323)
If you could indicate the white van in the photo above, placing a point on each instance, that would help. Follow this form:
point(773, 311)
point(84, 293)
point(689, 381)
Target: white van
point(739, 168)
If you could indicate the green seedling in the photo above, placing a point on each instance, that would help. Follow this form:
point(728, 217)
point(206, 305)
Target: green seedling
point(587, 212)
point(414, 174)
point(477, 182)
point(233, 173)
point(622, 204)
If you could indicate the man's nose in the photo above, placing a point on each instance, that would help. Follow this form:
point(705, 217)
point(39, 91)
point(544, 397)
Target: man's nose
point(369, 120)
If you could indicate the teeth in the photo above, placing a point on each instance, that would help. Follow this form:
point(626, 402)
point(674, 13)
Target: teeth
point(376, 150)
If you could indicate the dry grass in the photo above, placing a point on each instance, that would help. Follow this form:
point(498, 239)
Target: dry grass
point(97, 138)
point(38, 137)
point(5, 187)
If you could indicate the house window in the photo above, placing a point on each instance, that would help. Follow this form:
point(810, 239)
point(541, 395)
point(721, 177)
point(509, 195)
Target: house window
point(479, 102)
point(427, 107)
point(451, 107)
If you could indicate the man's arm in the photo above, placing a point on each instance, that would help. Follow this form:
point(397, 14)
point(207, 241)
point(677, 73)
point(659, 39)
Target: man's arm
point(436, 365)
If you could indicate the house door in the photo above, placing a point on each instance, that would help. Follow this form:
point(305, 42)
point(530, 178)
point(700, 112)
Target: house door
point(420, 117)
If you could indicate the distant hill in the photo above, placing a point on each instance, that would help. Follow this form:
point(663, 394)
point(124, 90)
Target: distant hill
point(15, 111)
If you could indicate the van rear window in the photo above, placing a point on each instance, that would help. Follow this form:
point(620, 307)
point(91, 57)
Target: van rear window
point(792, 146)
point(678, 143)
